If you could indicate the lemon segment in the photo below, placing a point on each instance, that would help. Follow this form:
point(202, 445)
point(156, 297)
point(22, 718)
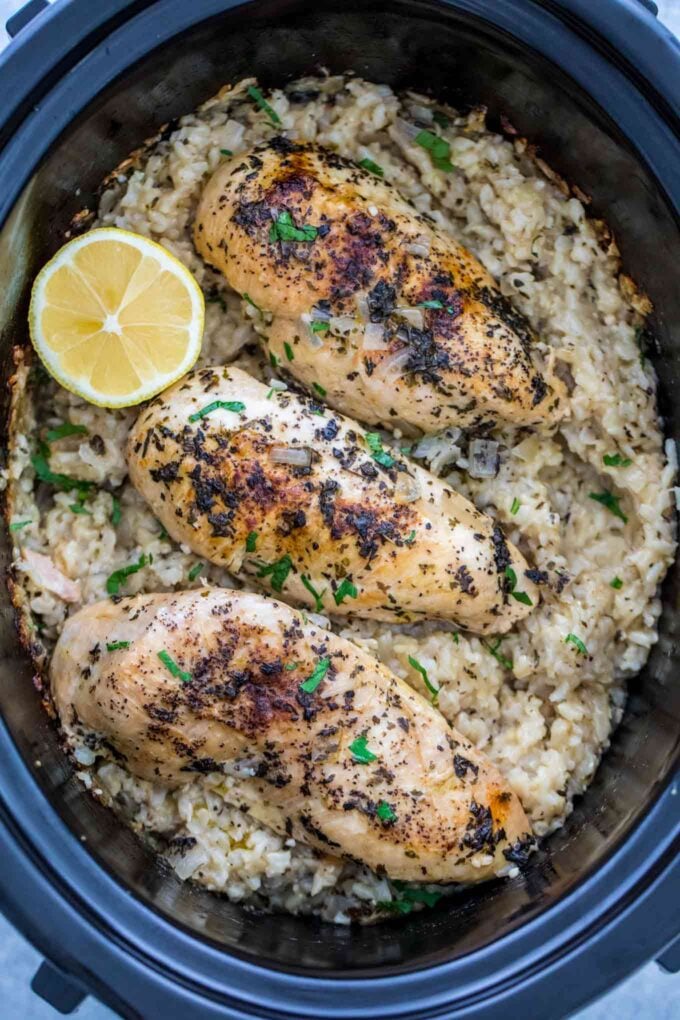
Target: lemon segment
point(115, 317)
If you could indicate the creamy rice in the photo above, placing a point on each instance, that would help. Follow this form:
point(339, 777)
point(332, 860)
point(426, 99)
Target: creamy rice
point(545, 721)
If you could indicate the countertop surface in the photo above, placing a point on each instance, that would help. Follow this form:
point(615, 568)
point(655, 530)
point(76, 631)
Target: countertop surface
point(647, 995)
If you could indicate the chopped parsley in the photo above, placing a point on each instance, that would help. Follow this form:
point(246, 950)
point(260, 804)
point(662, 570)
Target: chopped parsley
point(18, 525)
point(67, 429)
point(78, 508)
point(440, 118)
point(434, 691)
point(616, 582)
point(439, 149)
point(360, 751)
point(290, 666)
point(278, 571)
point(251, 541)
point(515, 506)
point(319, 389)
point(246, 297)
point(318, 599)
point(195, 571)
point(385, 812)
point(40, 462)
point(410, 896)
point(255, 94)
point(218, 405)
point(115, 511)
point(162, 534)
point(410, 539)
point(498, 655)
point(290, 355)
point(283, 229)
point(344, 591)
point(114, 646)
point(319, 326)
point(314, 679)
point(521, 596)
point(571, 639)
point(374, 168)
point(379, 455)
point(273, 360)
point(616, 460)
point(119, 577)
point(226, 152)
point(172, 666)
point(455, 638)
point(434, 303)
point(611, 502)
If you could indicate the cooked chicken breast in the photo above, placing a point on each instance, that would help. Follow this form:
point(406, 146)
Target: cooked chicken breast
point(325, 246)
point(268, 484)
point(333, 748)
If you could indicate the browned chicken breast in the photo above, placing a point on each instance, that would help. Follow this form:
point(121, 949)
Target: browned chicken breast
point(334, 749)
point(269, 484)
point(400, 324)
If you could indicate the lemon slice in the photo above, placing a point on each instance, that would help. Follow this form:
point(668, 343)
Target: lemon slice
point(115, 317)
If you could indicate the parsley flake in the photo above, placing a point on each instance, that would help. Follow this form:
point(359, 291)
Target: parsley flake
point(385, 812)
point(251, 541)
point(114, 646)
point(278, 571)
point(119, 577)
point(616, 583)
point(515, 506)
point(290, 666)
point(571, 639)
point(441, 119)
point(611, 502)
point(434, 691)
point(40, 462)
point(290, 354)
point(374, 168)
point(273, 360)
point(616, 460)
point(379, 455)
point(78, 508)
point(195, 571)
point(314, 679)
point(319, 326)
point(67, 429)
point(410, 539)
point(344, 590)
point(283, 229)
point(18, 525)
point(218, 405)
point(434, 303)
point(360, 751)
point(247, 298)
point(520, 596)
point(116, 513)
point(498, 656)
point(226, 152)
point(255, 94)
point(319, 389)
point(409, 897)
point(455, 638)
point(172, 666)
point(318, 599)
point(439, 149)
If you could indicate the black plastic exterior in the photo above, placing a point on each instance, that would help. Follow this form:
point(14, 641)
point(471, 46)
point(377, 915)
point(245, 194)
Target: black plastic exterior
point(86, 83)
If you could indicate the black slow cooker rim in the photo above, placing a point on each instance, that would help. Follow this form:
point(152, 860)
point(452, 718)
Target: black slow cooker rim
point(622, 888)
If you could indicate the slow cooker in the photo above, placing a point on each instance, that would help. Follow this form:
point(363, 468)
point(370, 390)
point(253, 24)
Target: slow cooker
point(597, 87)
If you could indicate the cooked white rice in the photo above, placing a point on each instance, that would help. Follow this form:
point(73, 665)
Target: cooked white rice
point(547, 720)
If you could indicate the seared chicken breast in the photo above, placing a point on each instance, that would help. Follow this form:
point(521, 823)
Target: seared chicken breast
point(333, 749)
point(269, 484)
point(399, 323)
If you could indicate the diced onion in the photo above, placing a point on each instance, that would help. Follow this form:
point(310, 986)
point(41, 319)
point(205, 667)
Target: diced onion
point(392, 366)
point(413, 316)
point(343, 323)
point(374, 337)
point(483, 458)
point(277, 384)
point(421, 113)
point(420, 245)
point(322, 312)
point(295, 456)
point(407, 489)
point(406, 130)
point(442, 446)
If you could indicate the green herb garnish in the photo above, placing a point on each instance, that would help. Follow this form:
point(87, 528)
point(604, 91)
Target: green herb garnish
point(611, 502)
point(218, 405)
point(40, 462)
point(119, 577)
point(372, 167)
point(434, 691)
point(455, 638)
point(411, 538)
point(255, 94)
point(439, 149)
point(515, 506)
point(226, 152)
point(409, 897)
point(78, 508)
point(67, 429)
point(283, 229)
point(115, 511)
point(381, 456)
point(319, 326)
point(278, 571)
point(441, 119)
point(318, 599)
point(249, 300)
point(319, 389)
point(616, 582)
point(385, 813)
point(571, 639)
point(251, 541)
point(18, 525)
point(290, 666)
point(274, 360)
point(172, 666)
point(114, 646)
point(344, 590)
point(195, 571)
point(360, 751)
point(315, 678)
point(521, 596)
point(616, 460)
point(290, 355)
point(494, 650)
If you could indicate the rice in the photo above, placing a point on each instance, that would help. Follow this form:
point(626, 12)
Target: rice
point(540, 706)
